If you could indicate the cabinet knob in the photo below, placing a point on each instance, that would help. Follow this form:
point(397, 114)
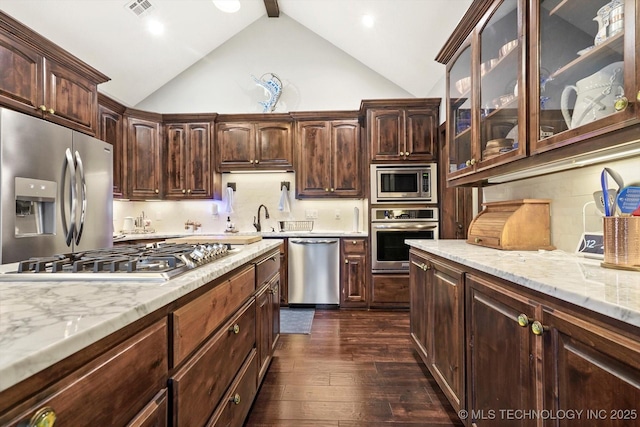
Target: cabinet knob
point(157, 191)
point(523, 320)
point(354, 242)
point(189, 191)
point(537, 328)
point(184, 191)
point(44, 417)
point(326, 189)
point(235, 399)
point(406, 153)
point(468, 163)
point(472, 162)
point(42, 107)
point(257, 161)
point(425, 267)
point(51, 111)
point(251, 161)
point(477, 240)
point(346, 261)
point(621, 103)
point(332, 190)
point(235, 329)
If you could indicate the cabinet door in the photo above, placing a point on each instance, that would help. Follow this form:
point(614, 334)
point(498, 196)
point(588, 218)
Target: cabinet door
point(353, 278)
point(264, 318)
point(236, 146)
point(110, 126)
point(275, 318)
point(274, 146)
point(421, 134)
point(582, 356)
point(584, 70)
point(445, 307)
point(176, 149)
point(501, 354)
point(70, 99)
point(21, 82)
point(346, 174)
point(418, 304)
point(198, 161)
point(313, 159)
point(144, 170)
point(387, 135)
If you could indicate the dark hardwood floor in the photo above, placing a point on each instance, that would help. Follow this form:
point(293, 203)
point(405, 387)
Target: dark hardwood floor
point(356, 369)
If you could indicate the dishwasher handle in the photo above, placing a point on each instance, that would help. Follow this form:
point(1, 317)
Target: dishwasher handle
point(313, 242)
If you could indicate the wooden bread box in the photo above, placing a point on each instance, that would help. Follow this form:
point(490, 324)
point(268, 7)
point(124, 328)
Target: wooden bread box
point(517, 225)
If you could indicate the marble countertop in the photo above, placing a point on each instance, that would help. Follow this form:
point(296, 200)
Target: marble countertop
point(42, 322)
point(264, 234)
point(568, 277)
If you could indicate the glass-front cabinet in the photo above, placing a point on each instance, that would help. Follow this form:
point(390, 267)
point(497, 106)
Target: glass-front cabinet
point(487, 99)
point(584, 58)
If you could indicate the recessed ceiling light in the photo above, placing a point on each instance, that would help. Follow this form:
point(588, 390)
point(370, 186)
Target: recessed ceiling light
point(229, 6)
point(155, 27)
point(368, 21)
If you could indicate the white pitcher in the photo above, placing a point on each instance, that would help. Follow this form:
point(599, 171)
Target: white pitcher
point(595, 95)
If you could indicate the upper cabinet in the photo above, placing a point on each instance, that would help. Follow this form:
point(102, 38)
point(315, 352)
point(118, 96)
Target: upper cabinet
point(144, 155)
point(402, 130)
point(188, 147)
point(534, 82)
point(110, 129)
point(329, 155)
point(43, 80)
point(585, 62)
point(254, 142)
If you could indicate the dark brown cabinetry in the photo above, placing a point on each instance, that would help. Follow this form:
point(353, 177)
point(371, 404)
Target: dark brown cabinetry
point(267, 310)
point(143, 358)
point(110, 129)
point(353, 279)
point(144, 155)
point(437, 322)
point(188, 166)
point(41, 79)
point(402, 129)
point(329, 157)
point(389, 291)
point(254, 142)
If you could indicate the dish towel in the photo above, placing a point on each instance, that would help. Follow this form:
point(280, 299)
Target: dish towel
point(229, 207)
point(284, 200)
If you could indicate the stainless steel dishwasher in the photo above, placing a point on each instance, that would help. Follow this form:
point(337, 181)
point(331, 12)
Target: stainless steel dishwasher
point(314, 273)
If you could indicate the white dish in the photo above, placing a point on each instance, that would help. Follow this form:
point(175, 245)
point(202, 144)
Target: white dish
point(585, 50)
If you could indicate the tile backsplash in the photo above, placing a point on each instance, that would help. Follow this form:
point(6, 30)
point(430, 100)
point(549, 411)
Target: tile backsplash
point(252, 190)
point(571, 193)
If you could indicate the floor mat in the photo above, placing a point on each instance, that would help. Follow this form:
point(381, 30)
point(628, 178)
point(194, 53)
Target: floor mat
point(296, 320)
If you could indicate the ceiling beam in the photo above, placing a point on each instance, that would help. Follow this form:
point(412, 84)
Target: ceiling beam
point(273, 11)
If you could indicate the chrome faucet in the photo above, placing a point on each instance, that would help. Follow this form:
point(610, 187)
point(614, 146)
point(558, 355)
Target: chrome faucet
point(256, 224)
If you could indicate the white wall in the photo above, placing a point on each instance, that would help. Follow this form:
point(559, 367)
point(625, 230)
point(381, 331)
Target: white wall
point(316, 75)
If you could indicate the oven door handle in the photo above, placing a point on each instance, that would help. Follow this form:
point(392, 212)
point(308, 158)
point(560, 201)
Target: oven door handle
point(405, 227)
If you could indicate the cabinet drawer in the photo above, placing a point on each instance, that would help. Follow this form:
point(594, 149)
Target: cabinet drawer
point(354, 246)
point(489, 241)
point(266, 268)
point(121, 383)
point(236, 404)
point(195, 321)
point(154, 414)
point(199, 385)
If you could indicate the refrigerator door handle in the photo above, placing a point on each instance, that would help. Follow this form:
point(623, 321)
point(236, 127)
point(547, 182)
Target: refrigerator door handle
point(68, 165)
point(83, 197)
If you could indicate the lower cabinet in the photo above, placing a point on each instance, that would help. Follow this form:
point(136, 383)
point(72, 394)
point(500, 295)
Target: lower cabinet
point(508, 355)
point(154, 414)
point(389, 291)
point(125, 383)
point(354, 274)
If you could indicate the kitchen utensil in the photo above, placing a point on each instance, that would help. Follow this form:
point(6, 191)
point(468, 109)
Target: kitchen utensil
point(595, 96)
point(636, 212)
point(628, 199)
point(598, 198)
point(610, 207)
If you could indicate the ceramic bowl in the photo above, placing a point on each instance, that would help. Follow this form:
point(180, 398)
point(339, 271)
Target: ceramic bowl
point(487, 65)
point(463, 85)
point(508, 47)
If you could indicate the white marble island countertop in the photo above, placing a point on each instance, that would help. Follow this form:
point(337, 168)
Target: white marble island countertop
point(581, 281)
point(43, 322)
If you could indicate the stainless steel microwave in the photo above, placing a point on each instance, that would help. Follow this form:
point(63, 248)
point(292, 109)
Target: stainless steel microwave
point(404, 183)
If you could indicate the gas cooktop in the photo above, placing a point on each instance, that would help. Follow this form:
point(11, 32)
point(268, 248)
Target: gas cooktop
point(155, 262)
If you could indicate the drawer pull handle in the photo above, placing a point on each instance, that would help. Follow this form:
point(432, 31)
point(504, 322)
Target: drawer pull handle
point(346, 261)
point(235, 329)
point(477, 240)
point(44, 417)
point(235, 399)
point(537, 328)
point(523, 320)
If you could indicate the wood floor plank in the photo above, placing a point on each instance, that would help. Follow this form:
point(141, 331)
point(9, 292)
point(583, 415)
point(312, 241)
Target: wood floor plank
point(356, 369)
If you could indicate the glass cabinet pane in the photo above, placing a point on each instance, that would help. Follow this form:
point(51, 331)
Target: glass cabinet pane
point(499, 70)
point(581, 62)
point(460, 151)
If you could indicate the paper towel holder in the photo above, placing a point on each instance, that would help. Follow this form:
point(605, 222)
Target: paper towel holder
point(232, 185)
point(286, 184)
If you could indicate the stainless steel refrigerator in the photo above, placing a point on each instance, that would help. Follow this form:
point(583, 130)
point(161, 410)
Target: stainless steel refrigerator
point(55, 187)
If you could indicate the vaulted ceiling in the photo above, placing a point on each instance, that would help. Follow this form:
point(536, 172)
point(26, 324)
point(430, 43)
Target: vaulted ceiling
point(401, 45)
